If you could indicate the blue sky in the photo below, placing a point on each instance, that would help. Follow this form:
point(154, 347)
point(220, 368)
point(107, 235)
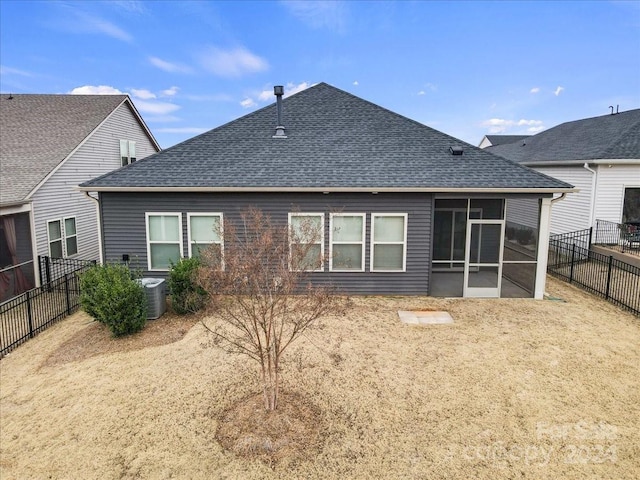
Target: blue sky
point(465, 68)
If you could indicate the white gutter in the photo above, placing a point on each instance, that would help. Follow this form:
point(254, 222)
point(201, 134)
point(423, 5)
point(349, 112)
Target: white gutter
point(610, 161)
point(99, 224)
point(592, 200)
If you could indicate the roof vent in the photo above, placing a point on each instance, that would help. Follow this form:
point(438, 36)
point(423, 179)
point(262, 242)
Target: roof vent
point(278, 91)
point(456, 150)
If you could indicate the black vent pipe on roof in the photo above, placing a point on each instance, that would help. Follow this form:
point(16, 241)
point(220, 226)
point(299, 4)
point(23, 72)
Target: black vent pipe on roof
point(278, 91)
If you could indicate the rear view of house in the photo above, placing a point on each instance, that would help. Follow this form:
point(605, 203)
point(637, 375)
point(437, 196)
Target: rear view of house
point(404, 209)
point(48, 145)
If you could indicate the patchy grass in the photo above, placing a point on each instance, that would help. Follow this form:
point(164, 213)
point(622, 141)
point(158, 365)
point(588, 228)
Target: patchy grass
point(514, 389)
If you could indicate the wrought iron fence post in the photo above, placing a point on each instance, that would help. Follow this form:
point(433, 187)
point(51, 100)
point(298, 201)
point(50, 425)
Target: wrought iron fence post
point(29, 313)
point(573, 258)
point(66, 289)
point(606, 296)
point(590, 237)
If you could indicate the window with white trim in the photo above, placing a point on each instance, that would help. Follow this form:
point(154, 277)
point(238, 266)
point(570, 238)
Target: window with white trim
point(306, 240)
point(388, 242)
point(205, 231)
point(62, 237)
point(346, 242)
point(127, 152)
point(54, 233)
point(164, 239)
point(70, 236)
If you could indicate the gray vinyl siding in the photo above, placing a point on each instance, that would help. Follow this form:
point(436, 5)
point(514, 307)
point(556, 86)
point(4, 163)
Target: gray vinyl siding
point(123, 220)
point(99, 154)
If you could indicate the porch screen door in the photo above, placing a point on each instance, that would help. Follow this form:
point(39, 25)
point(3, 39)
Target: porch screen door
point(483, 258)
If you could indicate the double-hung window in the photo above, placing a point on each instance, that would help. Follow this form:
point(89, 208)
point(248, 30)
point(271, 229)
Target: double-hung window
point(127, 152)
point(164, 239)
point(205, 231)
point(388, 242)
point(346, 242)
point(62, 237)
point(306, 241)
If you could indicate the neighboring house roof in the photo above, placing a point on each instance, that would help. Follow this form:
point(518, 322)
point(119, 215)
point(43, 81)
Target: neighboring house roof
point(609, 137)
point(38, 132)
point(335, 142)
point(502, 139)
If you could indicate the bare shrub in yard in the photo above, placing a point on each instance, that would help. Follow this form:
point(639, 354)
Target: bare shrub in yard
point(260, 290)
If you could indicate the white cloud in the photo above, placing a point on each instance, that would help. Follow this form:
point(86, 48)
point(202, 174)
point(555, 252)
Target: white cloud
point(81, 22)
point(289, 89)
point(558, 91)
point(156, 108)
point(501, 125)
point(328, 14)
point(95, 90)
point(235, 62)
point(170, 92)
point(168, 66)
point(431, 86)
point(14, 71)
point(356, 83)
point(421, 92)
point(248, 103)
point(535, 129)
point(142, 94)
point(534, 90)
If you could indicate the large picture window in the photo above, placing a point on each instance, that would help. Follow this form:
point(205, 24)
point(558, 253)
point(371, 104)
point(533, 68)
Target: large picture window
point(205, 231)
point(388, 242)
point(347, 232)
point(164, 239)
point(306, 237)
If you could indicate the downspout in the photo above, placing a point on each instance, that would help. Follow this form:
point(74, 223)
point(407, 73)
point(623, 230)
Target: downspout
point(100, 253)
point(592, 201)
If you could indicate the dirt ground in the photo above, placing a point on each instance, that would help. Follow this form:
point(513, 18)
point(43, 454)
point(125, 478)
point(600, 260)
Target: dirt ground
point(513, 389)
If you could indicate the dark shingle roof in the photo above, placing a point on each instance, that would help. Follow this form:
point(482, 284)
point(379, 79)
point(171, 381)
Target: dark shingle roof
point(37, 132)
point(502, 139)
point(335, 141)
point(607, 137)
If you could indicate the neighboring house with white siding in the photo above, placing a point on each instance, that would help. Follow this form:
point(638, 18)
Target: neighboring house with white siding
point(48, 145)
point(600, 156)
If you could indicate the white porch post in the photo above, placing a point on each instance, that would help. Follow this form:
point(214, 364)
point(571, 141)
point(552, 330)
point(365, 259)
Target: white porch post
point(543, 247)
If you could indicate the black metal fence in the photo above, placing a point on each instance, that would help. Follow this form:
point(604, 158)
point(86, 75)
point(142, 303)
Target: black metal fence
point(53, 268)
point(33, 311)
point(623, 237)
point(603, 275)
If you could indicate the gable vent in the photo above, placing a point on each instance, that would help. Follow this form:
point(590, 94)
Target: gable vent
point(278, 91)
point(456, 150)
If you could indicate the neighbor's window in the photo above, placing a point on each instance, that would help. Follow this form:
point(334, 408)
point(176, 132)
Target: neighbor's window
point(70, 235)
point(127, 152)
point(306, 237)
point(62, 237)
point(54, 232)
point(164, 239)
point(347, 242)
point(205, 230)
point(388, 242)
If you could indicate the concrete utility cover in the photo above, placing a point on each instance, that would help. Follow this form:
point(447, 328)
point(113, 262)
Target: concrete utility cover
point(424, 317)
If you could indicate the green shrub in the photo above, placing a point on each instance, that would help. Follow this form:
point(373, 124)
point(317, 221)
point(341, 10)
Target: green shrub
point(186, 295)
point(112, 296)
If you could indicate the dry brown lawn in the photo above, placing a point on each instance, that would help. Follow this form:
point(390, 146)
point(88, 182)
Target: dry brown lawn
point(513, 389)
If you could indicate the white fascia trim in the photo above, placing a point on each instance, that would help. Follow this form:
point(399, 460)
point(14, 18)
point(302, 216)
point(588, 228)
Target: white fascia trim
point(558, 163)
point(142, 124)
point(13, 208)
point(64, 160)
point(328, 189)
